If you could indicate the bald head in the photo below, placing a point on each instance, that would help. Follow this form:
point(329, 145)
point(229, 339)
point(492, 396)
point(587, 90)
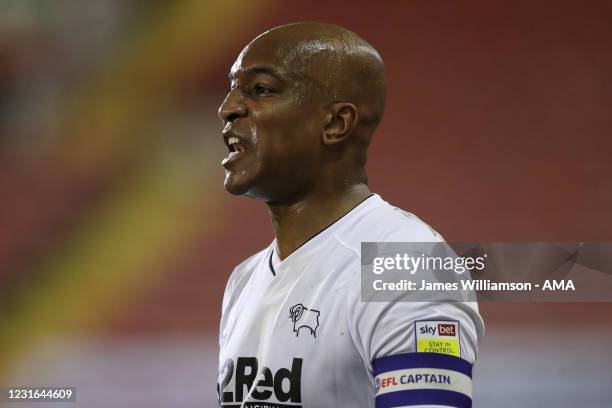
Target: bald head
point(342, 66)
point(304, 102)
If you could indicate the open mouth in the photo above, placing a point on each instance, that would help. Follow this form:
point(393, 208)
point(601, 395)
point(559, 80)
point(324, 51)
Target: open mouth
point(235, 147)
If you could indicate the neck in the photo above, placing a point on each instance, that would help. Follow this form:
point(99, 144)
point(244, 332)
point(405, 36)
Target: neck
point(297, 222)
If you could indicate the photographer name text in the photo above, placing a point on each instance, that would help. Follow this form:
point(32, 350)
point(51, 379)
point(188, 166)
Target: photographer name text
point(479, 285)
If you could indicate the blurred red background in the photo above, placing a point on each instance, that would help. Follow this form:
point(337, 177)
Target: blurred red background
point(117, 230)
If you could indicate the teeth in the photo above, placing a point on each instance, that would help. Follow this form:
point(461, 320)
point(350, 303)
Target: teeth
point(233, 140)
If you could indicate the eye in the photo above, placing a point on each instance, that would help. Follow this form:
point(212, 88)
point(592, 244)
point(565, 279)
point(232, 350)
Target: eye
point(262, 90)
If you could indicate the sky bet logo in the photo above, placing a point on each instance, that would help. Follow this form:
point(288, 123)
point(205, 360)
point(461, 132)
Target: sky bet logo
point(438, 336)
point(282, 386)
point(441, 329)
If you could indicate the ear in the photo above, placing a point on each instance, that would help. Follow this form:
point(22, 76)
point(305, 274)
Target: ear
point(341, 119)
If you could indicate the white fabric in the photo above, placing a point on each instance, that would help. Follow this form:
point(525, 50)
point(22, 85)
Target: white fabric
point(338, 344)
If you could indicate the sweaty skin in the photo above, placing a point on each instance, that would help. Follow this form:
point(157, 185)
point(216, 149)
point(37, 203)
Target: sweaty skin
point(305, 99)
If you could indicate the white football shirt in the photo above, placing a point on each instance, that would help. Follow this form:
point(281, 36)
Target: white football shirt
point(295, 333)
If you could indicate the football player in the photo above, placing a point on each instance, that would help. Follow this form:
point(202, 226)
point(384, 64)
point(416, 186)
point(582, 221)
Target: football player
point(304, 102)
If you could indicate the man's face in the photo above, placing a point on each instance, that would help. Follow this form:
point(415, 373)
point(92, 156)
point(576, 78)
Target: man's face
point(272, 126)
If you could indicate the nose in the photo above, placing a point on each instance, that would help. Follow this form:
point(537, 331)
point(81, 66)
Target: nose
point(233, 107)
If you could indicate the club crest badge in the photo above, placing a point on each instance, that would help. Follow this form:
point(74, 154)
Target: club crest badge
point(304, 318)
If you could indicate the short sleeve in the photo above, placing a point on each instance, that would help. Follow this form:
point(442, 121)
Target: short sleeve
point(385, 328)
point(418, 353)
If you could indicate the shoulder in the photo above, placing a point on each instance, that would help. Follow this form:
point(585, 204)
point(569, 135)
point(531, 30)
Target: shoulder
point(244, 270)
point(388, 328)
point(383, 222)
point(378, 221)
